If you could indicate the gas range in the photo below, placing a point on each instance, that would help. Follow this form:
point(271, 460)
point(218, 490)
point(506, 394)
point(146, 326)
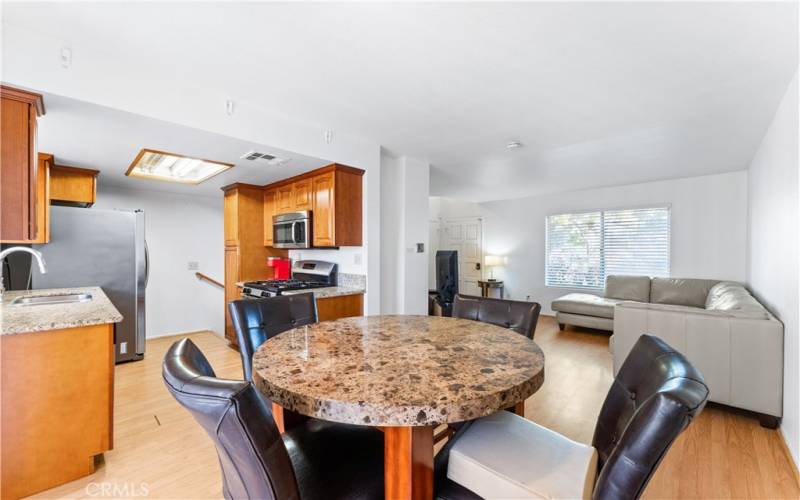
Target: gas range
point(270, 288)
point(306, 275)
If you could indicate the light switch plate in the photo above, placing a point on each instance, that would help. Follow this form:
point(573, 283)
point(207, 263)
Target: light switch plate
point(193, 265)
point(357, 259)
point(420, 247)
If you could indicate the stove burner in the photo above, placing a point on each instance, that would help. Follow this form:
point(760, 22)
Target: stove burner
point(278, 286)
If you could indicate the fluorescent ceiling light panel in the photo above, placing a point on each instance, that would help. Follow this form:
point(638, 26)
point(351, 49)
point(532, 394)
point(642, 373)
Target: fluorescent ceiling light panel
point(170, 167)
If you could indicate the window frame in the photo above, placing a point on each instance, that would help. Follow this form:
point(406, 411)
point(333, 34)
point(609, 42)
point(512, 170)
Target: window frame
point(602, 212)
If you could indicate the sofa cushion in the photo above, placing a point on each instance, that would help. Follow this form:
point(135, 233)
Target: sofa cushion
point(506, 456)
point(680, 291)
point(585, 304)
point(635, 288)
point(734, 298)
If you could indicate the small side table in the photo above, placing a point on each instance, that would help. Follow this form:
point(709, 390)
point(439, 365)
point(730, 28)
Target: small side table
point(487, 285)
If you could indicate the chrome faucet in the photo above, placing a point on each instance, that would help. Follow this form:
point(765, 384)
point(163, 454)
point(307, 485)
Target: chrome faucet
point(35, 253)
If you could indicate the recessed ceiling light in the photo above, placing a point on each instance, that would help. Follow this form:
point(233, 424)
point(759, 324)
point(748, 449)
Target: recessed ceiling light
point(170, 167)
point(514, 145)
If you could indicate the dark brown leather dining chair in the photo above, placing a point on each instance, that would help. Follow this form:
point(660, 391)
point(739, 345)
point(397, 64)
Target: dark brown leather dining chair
point(655, 396)
point(516, 315)
point(256, 320)
point(315, 460)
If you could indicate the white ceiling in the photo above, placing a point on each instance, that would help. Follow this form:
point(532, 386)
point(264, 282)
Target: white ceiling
point(80, 134)
point(599, 93)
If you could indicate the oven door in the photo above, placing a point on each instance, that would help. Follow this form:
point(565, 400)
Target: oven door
point(291, 234)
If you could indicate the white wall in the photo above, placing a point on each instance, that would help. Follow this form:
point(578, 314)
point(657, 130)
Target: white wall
point(772, 271)
point(404, 223)
point(709, 235)
point(178, 229)
point(102, 78)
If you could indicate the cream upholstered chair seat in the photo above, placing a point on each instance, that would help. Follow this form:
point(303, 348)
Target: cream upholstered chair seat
point(506, 456)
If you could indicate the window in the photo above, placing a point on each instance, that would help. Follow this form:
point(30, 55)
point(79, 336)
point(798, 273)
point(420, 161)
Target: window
point(583, 248)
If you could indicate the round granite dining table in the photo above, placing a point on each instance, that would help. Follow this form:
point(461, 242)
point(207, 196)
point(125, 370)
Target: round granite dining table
point(402, 374)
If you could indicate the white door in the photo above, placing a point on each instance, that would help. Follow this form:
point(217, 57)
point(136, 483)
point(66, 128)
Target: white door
point(465, 236)
point(434, 229)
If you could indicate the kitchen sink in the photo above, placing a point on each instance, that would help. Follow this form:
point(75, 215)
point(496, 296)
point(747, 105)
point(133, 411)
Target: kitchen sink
point(65, 298)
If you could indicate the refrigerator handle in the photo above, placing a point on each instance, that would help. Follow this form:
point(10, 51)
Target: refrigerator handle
point(146, 264)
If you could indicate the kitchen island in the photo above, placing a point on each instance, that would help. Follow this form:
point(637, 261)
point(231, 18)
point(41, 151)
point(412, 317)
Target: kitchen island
point(57, 385)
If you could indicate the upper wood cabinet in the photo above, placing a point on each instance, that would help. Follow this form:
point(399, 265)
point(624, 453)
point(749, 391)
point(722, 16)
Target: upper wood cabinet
point(285, 198)
point(334, 196)
point(324, 210)
point(302, 195)
point(43, 197)
point(270, 209)
point(18, 165)
point(73, 186)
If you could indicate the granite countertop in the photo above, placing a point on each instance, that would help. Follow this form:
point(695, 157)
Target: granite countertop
point(398, 370)
point(41, 318)
point(322, 293)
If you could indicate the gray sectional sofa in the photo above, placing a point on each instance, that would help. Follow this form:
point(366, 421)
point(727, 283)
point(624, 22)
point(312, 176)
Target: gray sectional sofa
point(718, 325)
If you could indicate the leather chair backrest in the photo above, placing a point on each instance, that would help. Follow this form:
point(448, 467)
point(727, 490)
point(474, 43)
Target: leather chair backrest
point(516, 315)
point(257, 320)
point(253, 458)
point(654, 397)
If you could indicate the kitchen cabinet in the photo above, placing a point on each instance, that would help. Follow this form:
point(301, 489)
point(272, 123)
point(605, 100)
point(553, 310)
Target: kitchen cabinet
point(19, 206)
point(245, 253)
point(270, 210)
point(73, 186)
point(333, 194)
point(285, 201)
point(343, 306)
point(323, 210)
point(58, 387)
point(302, 195)
point(43, 196)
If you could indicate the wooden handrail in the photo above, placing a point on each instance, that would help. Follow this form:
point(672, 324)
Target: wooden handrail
point(203, 277)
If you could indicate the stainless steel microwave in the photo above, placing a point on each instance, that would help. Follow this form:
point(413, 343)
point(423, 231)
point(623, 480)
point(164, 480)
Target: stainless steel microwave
point(292, 230)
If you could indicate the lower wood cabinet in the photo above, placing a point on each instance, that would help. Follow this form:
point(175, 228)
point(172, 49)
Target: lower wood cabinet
point(344, 306)
point(58, 406)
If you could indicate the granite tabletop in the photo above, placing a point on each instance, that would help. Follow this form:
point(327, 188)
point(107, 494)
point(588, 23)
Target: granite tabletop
point(398, 370)
point(41, 317)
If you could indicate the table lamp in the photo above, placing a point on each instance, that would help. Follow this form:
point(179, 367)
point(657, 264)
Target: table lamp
point(492, 261)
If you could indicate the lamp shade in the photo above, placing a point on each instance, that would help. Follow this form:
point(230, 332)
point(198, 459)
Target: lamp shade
point(494, 260)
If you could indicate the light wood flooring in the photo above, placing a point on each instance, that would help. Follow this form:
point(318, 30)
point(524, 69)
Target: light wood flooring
point(160, 452)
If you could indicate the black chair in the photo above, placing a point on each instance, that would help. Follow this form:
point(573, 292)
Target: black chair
point(516, 315)
point(655, 396)
point(316, 460)
point(257, 320)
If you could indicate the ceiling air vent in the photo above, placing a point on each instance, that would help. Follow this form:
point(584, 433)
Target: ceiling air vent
point(263, 158)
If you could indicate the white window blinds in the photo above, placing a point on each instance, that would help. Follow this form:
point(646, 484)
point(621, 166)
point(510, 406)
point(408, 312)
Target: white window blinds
point(583, 248)
point(574, 250)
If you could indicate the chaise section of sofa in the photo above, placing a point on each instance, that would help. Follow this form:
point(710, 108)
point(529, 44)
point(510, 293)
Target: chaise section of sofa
point(593, 311)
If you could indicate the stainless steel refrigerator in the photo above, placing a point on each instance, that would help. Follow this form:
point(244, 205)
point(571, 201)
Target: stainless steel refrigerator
point(105, 248)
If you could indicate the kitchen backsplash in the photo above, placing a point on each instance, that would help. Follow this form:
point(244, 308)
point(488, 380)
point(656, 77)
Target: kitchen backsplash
point(352, 280)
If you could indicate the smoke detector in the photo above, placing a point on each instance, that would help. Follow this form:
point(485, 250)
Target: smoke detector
point(514, 145)
point(263, 158)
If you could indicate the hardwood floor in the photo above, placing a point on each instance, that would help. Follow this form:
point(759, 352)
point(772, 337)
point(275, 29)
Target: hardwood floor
point(160, 452)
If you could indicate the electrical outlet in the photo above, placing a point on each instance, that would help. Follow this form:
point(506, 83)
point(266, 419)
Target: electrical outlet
point(357, 259)
point(193, 265)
